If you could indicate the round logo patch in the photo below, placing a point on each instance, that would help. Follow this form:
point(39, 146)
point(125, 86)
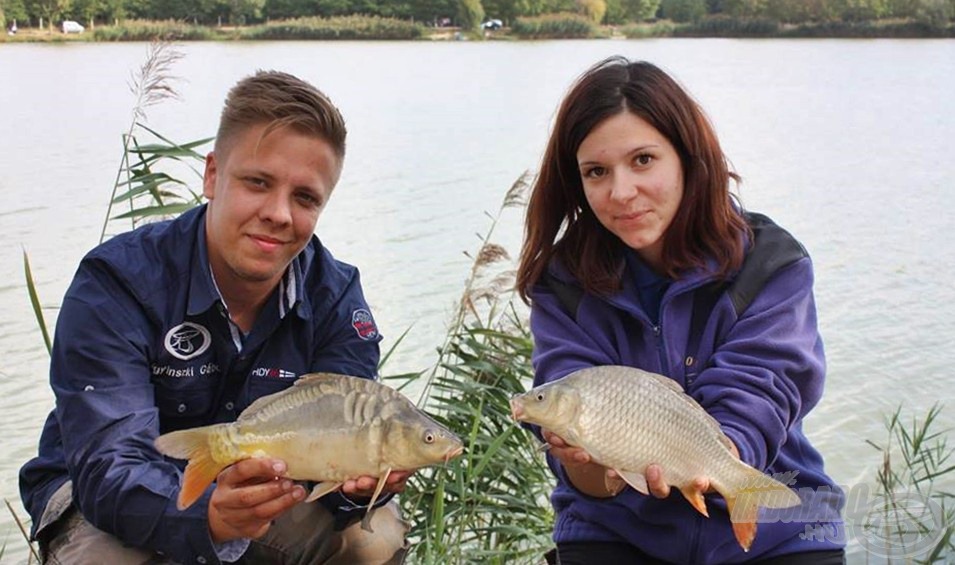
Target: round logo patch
point(364, 324)
point(187, 340)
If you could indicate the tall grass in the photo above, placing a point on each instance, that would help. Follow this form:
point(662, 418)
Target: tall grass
point(556, 26)
point(915, 521)
point(491, 504)
point(342, 27)
point(152, 30)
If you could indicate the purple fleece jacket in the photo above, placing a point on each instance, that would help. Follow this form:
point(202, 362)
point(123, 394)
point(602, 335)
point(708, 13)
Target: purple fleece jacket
point(763, 372)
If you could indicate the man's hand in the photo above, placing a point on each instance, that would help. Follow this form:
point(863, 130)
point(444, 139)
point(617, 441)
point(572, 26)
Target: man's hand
point(248, 496)
point(364, 487)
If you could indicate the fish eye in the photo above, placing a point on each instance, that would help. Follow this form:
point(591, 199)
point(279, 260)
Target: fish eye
point(429, 437)
point(540, 396)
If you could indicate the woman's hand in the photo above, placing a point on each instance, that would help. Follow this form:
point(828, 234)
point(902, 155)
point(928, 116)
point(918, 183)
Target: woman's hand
point(587, 476)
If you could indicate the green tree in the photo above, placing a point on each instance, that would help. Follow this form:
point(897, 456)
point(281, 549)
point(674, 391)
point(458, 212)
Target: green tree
point(87, 11)
point(287, 9)
point(744, 8)
point(861, 10)
point(592, 9)
point(470, 14)
point(15, 11)
point(431, 11)
point(937, 13)
point(50, 10)
point(640, 10)
point(682, 11)
point(801, 11)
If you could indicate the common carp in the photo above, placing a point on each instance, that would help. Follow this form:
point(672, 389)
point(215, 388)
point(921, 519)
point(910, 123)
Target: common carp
point(326, 427)
point(626, 419)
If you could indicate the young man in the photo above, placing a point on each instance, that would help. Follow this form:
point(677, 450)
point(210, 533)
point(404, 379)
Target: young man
point(184, 323)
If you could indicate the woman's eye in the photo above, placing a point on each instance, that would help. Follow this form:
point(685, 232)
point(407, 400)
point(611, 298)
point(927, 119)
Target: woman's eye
point(594, 172)
point(643, 159)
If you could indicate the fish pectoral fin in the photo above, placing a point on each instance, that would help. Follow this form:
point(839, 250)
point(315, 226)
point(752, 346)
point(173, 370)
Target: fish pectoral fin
point(695, 497)
point(366, 521)
point(743, 511)
point(321, 489)
point(636, 480)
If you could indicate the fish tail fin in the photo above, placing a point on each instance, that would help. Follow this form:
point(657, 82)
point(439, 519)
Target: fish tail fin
point(202, 468)
point(752, 491)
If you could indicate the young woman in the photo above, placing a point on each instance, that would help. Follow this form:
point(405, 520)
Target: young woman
point(636, 254)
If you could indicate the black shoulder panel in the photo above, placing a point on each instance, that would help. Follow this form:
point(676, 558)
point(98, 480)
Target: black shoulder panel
point(568, 294)
point(773, 249)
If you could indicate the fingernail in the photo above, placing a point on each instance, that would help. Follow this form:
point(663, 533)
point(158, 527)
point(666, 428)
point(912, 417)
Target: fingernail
point(278, 467)
point(286, 485)
point(298, 493)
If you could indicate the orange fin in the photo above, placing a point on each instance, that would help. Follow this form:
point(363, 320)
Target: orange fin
point(743, 510)
point(695, 498)
point(192, 444)
point(201, 471)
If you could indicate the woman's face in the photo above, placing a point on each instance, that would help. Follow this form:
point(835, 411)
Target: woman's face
point(633, 181)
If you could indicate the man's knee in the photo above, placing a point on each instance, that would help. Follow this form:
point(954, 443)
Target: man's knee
point(75, 541)
point(388, 544)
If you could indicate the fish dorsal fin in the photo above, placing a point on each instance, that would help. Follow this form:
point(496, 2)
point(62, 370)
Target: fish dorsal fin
point(325, 383)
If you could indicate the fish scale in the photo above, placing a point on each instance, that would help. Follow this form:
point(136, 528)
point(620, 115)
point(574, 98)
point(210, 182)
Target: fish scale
point(627, 419)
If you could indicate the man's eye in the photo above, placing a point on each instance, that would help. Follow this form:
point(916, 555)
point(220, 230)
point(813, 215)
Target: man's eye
point(308, 199)
point(256, 182)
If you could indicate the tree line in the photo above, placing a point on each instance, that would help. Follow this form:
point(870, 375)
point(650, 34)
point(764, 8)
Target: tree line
point(467, 12)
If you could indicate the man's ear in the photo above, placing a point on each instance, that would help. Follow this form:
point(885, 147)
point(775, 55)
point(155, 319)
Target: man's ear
point(209, 176)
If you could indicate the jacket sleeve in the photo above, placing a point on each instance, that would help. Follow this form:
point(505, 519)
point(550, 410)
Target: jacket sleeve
point(768, 371)
point(348, 339)
point(106, 411)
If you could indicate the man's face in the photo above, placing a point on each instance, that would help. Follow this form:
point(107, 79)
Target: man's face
point(265, 196)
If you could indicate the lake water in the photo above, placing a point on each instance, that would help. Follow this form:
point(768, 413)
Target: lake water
point(847, 143)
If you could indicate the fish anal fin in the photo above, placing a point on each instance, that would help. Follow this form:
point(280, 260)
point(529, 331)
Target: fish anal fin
point(695, 497)
point(743, 511)
point(321, 489)
point(638, 481)
point(366, 521)
point(201, 471)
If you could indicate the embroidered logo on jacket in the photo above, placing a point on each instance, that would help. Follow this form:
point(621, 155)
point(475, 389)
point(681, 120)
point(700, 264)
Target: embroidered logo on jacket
point(187, 340)
point(364, 324)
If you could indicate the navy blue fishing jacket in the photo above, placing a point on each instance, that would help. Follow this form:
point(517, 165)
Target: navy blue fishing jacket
point(144, 346)
point(762, 371)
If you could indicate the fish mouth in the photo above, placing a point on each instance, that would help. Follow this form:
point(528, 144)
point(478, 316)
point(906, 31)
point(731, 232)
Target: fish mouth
point(517, 409)
point(454, 453)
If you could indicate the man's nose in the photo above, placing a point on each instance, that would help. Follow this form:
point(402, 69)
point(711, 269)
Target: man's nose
point(276, 208)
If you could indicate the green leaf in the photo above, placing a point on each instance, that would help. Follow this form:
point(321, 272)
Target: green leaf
point(35, 301)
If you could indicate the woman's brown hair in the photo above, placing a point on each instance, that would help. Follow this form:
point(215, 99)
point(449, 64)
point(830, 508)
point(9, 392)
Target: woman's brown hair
point(706, 226)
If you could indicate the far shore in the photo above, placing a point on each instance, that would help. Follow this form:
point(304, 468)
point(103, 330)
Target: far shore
point(867, 30)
